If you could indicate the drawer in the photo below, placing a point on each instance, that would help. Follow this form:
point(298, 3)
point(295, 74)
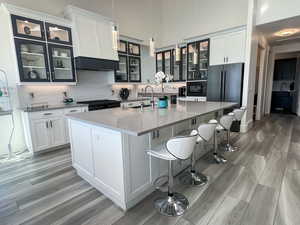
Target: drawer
point(46, 114)
point(73, 110)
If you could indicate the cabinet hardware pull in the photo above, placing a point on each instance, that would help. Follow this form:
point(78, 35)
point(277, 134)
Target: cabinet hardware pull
point(47, 114)
point(47, 124)
point(73, 110)
point(51, 125)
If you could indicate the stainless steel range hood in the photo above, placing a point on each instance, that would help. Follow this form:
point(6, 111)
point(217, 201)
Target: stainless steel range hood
point(95, 64)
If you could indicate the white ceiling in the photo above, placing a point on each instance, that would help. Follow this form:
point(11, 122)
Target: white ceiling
point(269, 29)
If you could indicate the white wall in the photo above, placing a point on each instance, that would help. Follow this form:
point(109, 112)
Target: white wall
point(273, 10)
point(190, 18)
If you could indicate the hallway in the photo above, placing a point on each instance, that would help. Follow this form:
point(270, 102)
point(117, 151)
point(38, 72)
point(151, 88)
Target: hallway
point(260, 185)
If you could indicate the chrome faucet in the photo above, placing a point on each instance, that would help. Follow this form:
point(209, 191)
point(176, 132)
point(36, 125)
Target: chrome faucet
point(152, 95)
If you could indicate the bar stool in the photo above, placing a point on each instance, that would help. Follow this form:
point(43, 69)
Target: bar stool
point(177, 148)
point(205, 133)
point(238, 115)
point(224, 125)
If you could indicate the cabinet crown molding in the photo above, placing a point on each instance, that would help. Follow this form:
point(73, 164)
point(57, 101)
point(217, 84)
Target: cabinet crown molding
point(20, 11)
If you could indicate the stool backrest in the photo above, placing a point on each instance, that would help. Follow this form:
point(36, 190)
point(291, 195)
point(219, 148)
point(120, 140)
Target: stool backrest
point(207, 130)
point(182, 147)
point(238, 114)
point(226, 121)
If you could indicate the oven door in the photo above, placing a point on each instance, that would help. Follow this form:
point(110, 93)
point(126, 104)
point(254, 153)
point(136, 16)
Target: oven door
point(197, 89)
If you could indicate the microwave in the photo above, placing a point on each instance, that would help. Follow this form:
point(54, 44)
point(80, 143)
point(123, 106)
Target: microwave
point(196, 89)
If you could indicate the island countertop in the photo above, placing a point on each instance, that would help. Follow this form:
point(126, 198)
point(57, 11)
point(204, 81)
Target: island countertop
point(136, 122)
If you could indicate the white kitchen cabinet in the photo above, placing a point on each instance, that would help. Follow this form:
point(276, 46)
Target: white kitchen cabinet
point(92, 34)
point(228, 48)
point(40, 134)
point(47, 129)
point(57, 131)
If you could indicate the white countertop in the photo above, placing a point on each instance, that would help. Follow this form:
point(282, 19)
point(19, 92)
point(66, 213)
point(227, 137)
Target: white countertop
point(136, 122)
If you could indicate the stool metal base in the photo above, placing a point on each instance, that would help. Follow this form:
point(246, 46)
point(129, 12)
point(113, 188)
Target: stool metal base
point(174, 205)
point(219, 158)
point(196, 179)
point(230, 148)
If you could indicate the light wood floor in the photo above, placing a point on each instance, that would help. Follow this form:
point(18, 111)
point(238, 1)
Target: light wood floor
point(259, 186)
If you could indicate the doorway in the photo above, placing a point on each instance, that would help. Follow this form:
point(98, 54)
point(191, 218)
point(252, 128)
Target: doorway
point(284, 95)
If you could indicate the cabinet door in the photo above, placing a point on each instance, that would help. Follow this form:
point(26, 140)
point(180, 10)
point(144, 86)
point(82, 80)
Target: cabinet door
point(32, 60)
point(121, 75)
point(159, 62)
point(235, 47)
point(176, 67)
point(40, 134)
point(62, 63)
point(58, 34)
point(57, 131)
point(134, 69)
point(134, 49)
point(122, 47)
point(28, 28)
point(183, 70)
point(217, 50)
point(203, 59)
point(193, 59)
point(168, 62)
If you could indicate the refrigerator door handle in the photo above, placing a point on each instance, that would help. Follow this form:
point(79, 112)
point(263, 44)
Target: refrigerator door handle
point(224, 85)
point(221, 92)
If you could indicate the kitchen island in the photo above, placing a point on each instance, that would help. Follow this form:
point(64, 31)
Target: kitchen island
point(109, 146)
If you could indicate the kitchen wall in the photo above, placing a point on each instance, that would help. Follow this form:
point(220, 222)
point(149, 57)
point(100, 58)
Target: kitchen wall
point(273, 10)
point(190, 18)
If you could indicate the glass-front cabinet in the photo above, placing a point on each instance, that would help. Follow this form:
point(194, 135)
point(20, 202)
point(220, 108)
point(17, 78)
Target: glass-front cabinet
point(121, 75)
point(134, 49)
point(129, 62)
point(159, 62)
point(32, 61)
point(58, 34)
point(197, 60)
point(183, 63)
point(176, 67)
point(62, 63)
point(134, 69)
point(28, 28)
point(168, 62)
point(39, 59)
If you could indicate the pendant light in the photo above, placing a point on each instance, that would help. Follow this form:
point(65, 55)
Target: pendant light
point(177, 53)
point(151, 40)
point(115, 31)
point(152, 47)
point(195, 57)
point(115, 37)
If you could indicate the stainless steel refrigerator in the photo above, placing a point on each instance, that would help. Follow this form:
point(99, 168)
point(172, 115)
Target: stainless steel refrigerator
point(225, 83)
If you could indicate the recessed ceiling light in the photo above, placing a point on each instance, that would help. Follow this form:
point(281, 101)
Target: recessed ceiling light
point(287, 32)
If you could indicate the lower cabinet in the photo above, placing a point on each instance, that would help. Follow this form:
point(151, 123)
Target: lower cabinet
point(47, 129)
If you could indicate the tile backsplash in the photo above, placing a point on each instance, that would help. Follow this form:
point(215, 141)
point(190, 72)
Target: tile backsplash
point(91, 85)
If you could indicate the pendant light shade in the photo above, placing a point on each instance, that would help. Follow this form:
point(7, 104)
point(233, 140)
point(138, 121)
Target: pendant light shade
point(115, 37)
point(152, 47)
point(195, 58)
point(177, 53)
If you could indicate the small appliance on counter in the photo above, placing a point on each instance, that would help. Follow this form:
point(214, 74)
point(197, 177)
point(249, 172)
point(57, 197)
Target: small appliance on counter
point(182, 91)
point(124, 93)
point(67, 100)
point(163, 102)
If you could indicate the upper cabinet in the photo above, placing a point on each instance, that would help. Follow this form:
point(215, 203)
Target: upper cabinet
point(228, 48)
point(198, 60)
point(92, 34)
point(44, 51)
point(129, 69)
point(58, 34)
point(28, 28)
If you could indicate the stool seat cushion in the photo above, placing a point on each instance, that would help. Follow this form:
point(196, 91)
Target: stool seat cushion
point(161, 152)
point(213, 121)
point(219, 127)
